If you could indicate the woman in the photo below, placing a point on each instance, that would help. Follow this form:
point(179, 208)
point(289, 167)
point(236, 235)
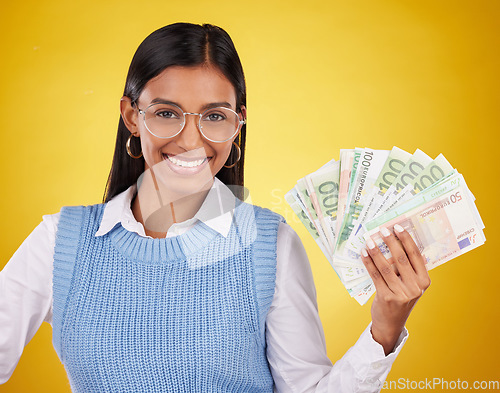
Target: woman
point(174, 284)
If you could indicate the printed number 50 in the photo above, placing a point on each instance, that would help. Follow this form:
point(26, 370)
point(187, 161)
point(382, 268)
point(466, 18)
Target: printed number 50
point(455, 197)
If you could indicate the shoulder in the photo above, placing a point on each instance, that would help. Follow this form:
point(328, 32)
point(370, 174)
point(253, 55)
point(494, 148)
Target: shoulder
point(74, 217)
point(49, 222)
point(260, 212)
point(81, 210)
point(289, 242)
point(287, 234)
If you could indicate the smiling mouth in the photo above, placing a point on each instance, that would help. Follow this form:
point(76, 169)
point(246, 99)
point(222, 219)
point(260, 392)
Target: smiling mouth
point(192, 163)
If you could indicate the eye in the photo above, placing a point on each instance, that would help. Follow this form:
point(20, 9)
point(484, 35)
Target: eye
point(214, 116)
point(166, 114)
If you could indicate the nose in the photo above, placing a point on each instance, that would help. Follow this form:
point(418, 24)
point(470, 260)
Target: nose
point(190, 137)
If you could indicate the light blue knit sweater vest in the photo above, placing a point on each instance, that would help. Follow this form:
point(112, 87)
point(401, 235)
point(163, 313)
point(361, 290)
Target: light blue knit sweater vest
point(181, 314)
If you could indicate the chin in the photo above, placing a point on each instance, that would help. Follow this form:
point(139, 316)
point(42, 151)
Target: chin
point(175, 179)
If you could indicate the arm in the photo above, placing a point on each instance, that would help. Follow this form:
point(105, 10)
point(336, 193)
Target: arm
point(296, 347)
point(26, 293)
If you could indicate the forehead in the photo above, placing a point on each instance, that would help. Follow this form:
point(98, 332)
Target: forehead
point(191, 87)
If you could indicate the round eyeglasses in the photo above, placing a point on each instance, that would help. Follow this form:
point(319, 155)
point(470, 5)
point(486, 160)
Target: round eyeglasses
point(165, 120)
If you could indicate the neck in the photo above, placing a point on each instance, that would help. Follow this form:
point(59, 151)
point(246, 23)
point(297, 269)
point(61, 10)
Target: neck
point(157, 208)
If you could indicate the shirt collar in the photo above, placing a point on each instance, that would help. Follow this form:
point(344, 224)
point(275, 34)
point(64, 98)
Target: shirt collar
point(216, 212)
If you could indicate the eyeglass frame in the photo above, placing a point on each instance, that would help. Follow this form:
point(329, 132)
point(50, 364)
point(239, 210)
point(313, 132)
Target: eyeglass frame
point(241, 123)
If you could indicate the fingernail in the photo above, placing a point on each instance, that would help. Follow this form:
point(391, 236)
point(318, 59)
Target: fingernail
point(385, 232)
point(364, 253)
point(398, 228)
point(370, 243)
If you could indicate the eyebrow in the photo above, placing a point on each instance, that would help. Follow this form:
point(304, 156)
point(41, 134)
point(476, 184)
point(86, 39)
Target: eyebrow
point(203, 108)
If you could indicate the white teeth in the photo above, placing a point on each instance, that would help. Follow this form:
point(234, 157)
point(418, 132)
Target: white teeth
point(188, 164)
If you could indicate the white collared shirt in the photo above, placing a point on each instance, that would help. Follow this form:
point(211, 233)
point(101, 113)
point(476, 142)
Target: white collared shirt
point(296, 348)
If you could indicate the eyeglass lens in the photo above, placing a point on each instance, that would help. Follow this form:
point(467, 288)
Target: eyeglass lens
point(166, 120)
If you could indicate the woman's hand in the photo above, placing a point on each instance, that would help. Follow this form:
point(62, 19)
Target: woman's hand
point(397, 291)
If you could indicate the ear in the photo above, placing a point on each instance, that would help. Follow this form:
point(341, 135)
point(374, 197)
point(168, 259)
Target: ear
point(243, 110)
point(243, 116)
point(130, 115)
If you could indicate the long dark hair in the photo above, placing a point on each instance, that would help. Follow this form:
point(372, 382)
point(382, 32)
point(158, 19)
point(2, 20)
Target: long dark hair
point(179, 44)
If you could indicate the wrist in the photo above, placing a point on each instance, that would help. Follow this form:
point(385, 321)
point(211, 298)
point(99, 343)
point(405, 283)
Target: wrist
point(386, 336)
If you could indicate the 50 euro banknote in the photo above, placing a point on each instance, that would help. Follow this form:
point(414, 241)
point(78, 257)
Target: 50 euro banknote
point(442, 220)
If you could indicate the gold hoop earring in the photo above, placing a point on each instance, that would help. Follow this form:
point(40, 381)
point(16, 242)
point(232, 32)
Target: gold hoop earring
point(239, 156)
point(127, 146)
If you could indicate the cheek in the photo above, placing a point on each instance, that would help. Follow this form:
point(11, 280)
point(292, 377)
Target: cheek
point(151, 150)
point(223, 152)
point(222, 157)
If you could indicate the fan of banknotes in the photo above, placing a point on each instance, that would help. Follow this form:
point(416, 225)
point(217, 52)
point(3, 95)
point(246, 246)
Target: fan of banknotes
point(345, 202)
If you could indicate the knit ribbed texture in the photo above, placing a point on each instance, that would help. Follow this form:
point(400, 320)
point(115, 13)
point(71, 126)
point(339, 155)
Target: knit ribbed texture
point(179, 314)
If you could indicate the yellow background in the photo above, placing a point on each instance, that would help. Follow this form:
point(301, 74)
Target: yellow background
point(321, 75)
